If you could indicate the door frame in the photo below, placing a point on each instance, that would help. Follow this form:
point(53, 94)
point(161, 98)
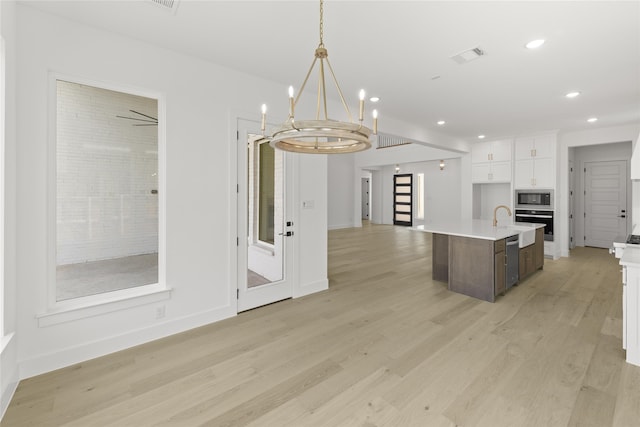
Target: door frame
point(247, 298)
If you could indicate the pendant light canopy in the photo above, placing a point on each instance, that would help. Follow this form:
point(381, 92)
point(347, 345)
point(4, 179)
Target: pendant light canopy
point(321, 135)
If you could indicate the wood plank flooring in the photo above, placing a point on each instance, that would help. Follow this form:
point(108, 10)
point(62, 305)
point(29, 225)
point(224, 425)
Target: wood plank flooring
point(384, 346)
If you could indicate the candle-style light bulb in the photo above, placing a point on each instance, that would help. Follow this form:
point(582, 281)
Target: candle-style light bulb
point(291, 102)
point(264, 117)
point(375, 122)
point(361, 115)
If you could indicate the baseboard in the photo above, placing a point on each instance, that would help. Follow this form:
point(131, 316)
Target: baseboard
point(339, 226)
point(311, 288)
point(90, 350)
point(7, 394)
point(8, 373)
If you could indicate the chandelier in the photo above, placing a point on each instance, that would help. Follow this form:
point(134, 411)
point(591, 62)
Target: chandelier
point(321, 135)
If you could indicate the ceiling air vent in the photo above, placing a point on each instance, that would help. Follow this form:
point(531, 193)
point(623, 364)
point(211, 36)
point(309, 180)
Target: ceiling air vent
point(168, 5)
point(468, 55)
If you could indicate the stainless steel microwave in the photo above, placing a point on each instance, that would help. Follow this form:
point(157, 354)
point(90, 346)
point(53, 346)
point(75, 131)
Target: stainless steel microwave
point(534, 199)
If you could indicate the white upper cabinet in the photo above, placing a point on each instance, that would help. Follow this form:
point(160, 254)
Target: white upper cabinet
point(491, 161)
point(535, 147)
point(535, 165)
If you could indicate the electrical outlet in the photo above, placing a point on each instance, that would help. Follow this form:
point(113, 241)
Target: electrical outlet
point(160, 312)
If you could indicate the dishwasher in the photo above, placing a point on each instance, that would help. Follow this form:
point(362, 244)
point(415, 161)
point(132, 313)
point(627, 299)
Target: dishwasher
point(513, 252)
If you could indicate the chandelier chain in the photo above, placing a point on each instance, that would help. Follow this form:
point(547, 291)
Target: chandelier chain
point(321, 23)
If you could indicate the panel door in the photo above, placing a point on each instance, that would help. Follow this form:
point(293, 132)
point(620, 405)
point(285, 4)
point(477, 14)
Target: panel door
point(365, 198)
point(605, 203)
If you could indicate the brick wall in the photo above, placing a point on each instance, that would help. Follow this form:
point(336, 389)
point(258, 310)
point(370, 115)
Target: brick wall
point(106, 171)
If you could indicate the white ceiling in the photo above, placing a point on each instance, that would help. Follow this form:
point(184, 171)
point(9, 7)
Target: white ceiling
point(393, 49)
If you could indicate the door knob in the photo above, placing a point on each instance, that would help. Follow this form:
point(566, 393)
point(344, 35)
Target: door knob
point(623, 216)
point(287, 234)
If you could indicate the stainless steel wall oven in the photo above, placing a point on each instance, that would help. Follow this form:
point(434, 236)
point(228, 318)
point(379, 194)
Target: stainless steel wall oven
point(539, 217)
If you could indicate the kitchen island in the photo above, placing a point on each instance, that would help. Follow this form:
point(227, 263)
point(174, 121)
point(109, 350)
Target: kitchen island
point(630, 261)
point(471, 256)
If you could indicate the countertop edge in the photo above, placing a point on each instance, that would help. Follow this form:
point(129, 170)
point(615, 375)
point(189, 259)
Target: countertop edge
point(484, 229)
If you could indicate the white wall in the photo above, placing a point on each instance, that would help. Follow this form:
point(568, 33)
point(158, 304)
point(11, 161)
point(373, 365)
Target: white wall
point(8, 343)
point(442, 190)
point(384, 160)
point(341, 191)
point(202, 99)
point(345, 200)
point(567, 140)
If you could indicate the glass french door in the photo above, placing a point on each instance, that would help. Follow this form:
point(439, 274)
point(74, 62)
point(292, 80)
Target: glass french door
point(266, 231)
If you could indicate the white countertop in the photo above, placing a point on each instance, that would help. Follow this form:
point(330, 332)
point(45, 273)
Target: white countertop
point(631, 256)
point(475, 228)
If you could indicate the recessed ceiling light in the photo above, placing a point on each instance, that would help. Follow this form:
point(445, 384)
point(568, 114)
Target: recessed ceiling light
point(374, 99)
point(592, 119)
point(481, 137)
point(572, 94)
point(441, 122)
point(534, 44)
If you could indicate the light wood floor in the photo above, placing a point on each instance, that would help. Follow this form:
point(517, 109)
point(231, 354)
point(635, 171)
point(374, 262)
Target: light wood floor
point(385, 346)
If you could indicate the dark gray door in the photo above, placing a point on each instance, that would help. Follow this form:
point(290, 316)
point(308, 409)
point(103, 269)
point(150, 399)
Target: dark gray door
point(365, 198)
point(403, 199)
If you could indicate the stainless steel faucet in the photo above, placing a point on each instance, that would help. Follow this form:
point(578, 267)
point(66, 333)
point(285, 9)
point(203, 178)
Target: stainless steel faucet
point(495, 211)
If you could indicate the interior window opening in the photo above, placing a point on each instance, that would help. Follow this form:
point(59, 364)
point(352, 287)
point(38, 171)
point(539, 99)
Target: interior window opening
point(106, 193)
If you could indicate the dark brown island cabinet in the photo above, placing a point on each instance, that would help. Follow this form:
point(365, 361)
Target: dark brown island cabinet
point(477, 267)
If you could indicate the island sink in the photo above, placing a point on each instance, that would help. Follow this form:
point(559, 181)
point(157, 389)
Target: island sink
point(527, 234)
